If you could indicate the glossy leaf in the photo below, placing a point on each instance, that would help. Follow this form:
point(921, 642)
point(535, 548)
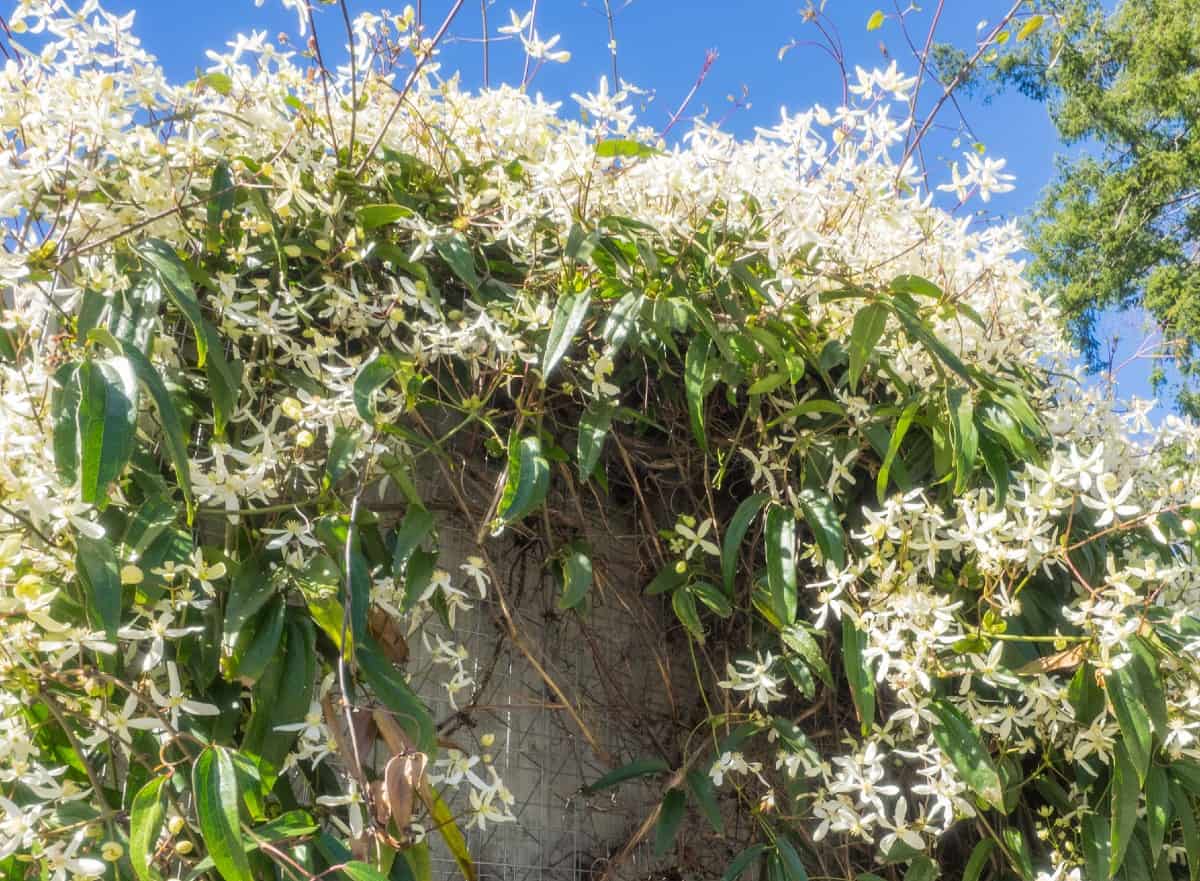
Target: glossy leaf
point(1158, 807)
point(64, 411)
point(822, 519)
point(793, 867)
point(964, 435)
point(781, 562)
point(394, 692)
point(978, 860)
point(869, 324)
point(1125, 693)
point(443, 820)
point(417, 526)
point(700, 785)
point(215, 789)
point(107, 423)
point(712, 597)
point(684, 605)
point(373, 216)
point(885, 469)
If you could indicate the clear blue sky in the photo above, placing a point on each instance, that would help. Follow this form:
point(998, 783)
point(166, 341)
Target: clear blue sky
point(662, 46)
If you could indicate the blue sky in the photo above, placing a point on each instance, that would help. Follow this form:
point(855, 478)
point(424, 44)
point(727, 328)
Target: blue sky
point(662, 46)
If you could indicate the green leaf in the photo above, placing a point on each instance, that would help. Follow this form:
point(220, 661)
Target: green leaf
point(341, 453)
point(373, 376)
point(701, 787)
point(1096, 845)
point(145, 824)
point(734, 533)
point(921, 869)
point(858, 674)
point(395, 693)
point(684, 605)
point(99, 572)
point(593, 428)
point(669, 817)
point(1019, 855)
point(875, 22)
point(1134, 719)
point(964, 435)
point(457, 254)
point(568, 318)
point(282, 696)
point(743, 861)
point(823, 521)
point(256, 649)
point(869, 324)
point(996, 464)
point(357, 870)
point(960, 741)
point(711, 596)
point(1186, 813)
point(695, 378)
point(418, 524)
point(1149, 678)
point(635, 769)
point(978, 860)
point(576, 574)
point(1126, 789)
point(372, 216)
point(898, 433)
point(107, 423)
point(221, 198)
point(1158, 802)
point(215, 789)
point(914, 284)
point(64, 411)
point(285, 827)
point(174, 439)
point(178, 286)
point(802, 643)
point(781, 562)
point(417, 575)
point(615, 147)
point(526, 484)
point(668, 578)
point(792, 866)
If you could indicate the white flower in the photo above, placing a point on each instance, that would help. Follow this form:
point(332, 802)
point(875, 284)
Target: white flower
point(755, 677)
point(176, 700)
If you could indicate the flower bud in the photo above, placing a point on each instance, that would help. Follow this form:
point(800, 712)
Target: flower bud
point(111, 851)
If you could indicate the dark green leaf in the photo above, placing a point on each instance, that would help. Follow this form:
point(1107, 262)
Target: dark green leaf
point(1019, 854)
point(695, 377)
point(669, 817)
point(978, 860)
point(921, 869)
point(568, 318)
point(964, 435)
point(743, 861)
point(215, 788)
point(341, 453)
point(639, 768)
point(221, 198)
point(457, 254)
point(800, 641)
point(667, 579)
point(394, 692)
point(418, 524)
point(793, 868)
point(858, 674)
point(64, 411)
point(526, 484)
point(1096, 846)
point(1186, 814)
point(827, 529)
point(712, 597)
point(417, 575)
point(107, 423)
point(781, 562)
point(99, 571)
point(178, 287)
point(1126, 789)
point(960, 741)
point(869, 324)
point(734, 533)
point(168, 416)
point(1158, 807)
point(1124, 691)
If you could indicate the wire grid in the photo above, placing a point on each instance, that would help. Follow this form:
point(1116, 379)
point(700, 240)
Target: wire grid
point(559, 835)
